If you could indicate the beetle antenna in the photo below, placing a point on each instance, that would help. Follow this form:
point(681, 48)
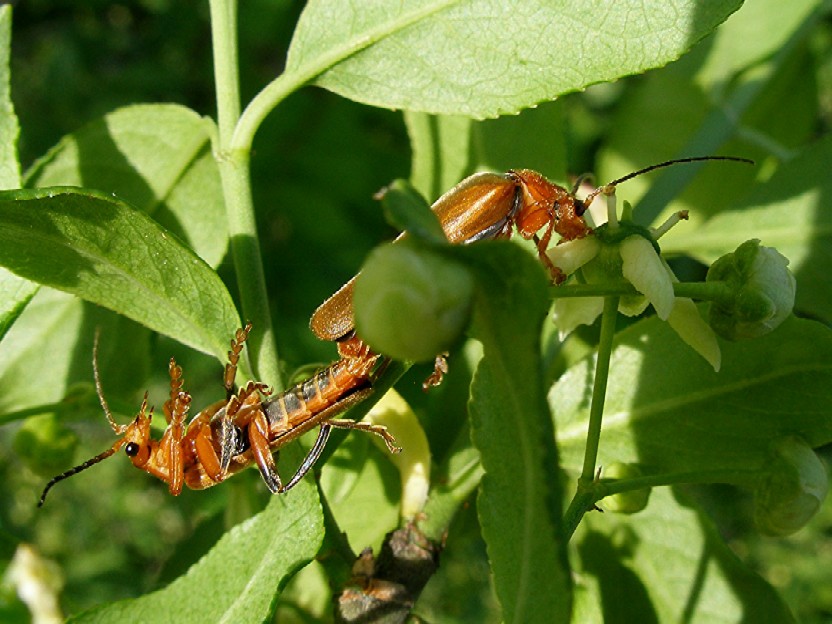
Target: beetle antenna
point(119, 429)
point(76, 470)
point(607, 188)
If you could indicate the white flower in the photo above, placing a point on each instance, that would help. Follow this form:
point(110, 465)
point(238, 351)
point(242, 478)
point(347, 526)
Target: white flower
point(634, 259)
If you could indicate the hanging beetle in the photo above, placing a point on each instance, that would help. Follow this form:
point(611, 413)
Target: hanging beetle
point(246, 427)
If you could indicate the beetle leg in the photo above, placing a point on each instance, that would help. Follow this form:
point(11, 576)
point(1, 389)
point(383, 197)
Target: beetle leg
point(542, 244)
point(231, 422)
point(440, 369)
point(176, 412)
point(258, 436)
point(311, 457)
point(379, 430)
point(204, 449)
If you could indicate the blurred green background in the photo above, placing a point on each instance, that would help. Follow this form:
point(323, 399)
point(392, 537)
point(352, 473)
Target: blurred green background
point(315, 167)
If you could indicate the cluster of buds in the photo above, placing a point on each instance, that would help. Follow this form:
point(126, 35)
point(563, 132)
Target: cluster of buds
point(751, 289)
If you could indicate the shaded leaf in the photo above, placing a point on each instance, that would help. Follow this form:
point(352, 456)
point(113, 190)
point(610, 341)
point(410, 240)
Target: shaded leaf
point(157, 158)
point(519, 503)
point(441, 151)
point(667, 409)
point(54, 319)
point(498, 145)
point(15, 292)
point(483, 59)
point(102, 250)
point(687, 102)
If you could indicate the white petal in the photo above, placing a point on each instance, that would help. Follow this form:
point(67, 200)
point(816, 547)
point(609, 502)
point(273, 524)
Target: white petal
point(569, 313)
point(644, 269)
point(572, 255)
point(691, 327)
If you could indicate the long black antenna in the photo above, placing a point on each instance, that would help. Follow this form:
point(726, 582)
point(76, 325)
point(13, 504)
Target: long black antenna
point(75, 471)
point(606, 188)
point(119, 429)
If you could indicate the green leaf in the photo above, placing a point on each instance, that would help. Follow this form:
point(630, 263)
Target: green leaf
point(483, 59)
point(520, 502)
point(792, 212)
point(360, 482)
point(406, 210)
point(441, 151)
point(15, 292)
point(103, 251)
point(543, 147)
point(41, 342)
point(53, 339)
point(155, 157)
point(238, 580)
point(667, 409)
point(668, 564)
point(460, 474)
point(9, 128)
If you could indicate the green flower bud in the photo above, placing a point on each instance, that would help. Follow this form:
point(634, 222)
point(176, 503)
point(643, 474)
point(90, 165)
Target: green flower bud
point(629, 502)
point(411, 303)
point(792, 489)
point(45, 444)
point(762, 289)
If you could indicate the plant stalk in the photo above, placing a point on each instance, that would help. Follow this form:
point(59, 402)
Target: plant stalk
point(239, 204)
point(584, 496)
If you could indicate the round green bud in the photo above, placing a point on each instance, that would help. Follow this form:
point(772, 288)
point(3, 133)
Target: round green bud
point(411, 303)
point(762, 291)
point(628, 502)
point(45, 444)
point(791, 490)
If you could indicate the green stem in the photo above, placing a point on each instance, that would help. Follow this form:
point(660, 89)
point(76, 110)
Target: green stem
point(703, 291)
point(599, 388)
point(299, 74)
point(605, 487)
point(226, 78)
point(239, 205)
point(583, 498)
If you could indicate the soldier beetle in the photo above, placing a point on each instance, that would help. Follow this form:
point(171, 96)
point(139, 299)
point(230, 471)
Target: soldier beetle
point(246, 427)
point(488, 206)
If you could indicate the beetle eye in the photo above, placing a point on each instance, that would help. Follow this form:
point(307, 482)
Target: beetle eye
point(132, 449)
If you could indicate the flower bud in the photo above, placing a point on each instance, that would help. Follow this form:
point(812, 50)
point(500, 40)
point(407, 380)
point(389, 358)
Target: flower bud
point(628, 502)
point(763, 291)
point(411, 303)
point(792, 489)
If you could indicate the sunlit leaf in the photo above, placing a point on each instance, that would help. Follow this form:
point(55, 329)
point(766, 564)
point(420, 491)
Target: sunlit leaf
point(238, 579)
point(102, 250)
point(669, 564)
point(483, 59)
